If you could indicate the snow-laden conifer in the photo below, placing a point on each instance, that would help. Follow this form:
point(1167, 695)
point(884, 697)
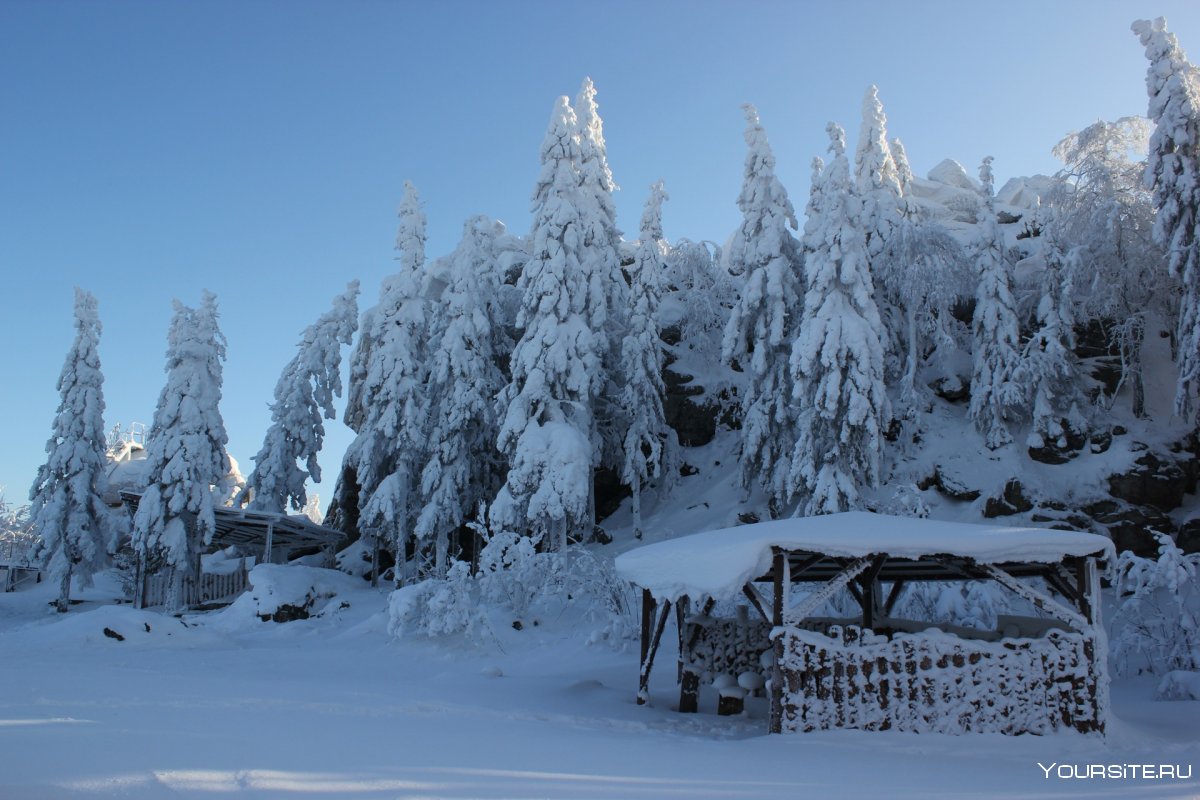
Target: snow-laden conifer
point(837, 357)
point(600, 255)
point(760, 330)
point(387, 453)
point(467, 340)
point(904, 174)
point(185, 453)
point(67, 514)
point(995, 396)
point(1173, 173)
point(1049, 371)
point(877, 182)
point(303, 399)
point(410, 243)
point(650, 444)
point(547, 413)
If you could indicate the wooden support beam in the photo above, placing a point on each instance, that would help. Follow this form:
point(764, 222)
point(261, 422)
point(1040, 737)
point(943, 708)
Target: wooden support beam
point(869, 598)
point(757, 601)
point(648, 660)
point(893, 596)
point(1038, 599)
point(781, 574)
point(681, 608)
point(648, 607)
point(804, 566)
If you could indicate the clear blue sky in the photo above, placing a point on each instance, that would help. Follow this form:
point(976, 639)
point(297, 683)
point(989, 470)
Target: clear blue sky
point(149, 150)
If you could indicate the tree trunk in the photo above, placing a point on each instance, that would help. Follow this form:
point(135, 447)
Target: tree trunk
point(63, 603)
point(441, 554)
point(637, 508)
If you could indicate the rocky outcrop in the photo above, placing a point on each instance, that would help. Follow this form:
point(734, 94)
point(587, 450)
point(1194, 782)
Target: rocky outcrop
point(949, 486)
point(1012, 500)
point(1155, 480)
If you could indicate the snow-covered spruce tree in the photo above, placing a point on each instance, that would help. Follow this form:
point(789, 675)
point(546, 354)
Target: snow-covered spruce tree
point(601, 240)
point(185, 453)
point(760, 330)
point(877, 182)
point(1048, 370)
point(68, 516)
point(995, 396)
point(904, 174)
point(466, 341)
point(1102, 204)
point(303, 400)
point(547, 428)
point(650, 444)
point(837, 357)
point(1173, 173)
point(390, 446)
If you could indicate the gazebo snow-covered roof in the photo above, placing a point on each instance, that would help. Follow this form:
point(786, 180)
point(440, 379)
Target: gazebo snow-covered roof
point(875, 671)
point(719, 563)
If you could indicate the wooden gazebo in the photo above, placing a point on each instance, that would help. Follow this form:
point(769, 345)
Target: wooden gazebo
point(1033, 674)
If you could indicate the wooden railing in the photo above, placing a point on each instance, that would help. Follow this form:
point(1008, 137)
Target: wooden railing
point(210, 588)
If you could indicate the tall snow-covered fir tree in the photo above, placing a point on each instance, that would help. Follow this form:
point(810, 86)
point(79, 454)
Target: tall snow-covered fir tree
point(67, 514)
point(995, 395)
point(547, 427)
point(600, 251)
point(760, 330)
point(303, 399)
point(185, 454)
point(837, 356)
point(877, 182)
point(387, 452)
point(1048, 371)
point(904, 173)
point(467, 342)
point(1173, 173)
point(650, 444)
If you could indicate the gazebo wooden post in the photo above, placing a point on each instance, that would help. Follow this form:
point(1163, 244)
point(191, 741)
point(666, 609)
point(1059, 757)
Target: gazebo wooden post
point(779, 567)
point(650, 648)
point(682, 606)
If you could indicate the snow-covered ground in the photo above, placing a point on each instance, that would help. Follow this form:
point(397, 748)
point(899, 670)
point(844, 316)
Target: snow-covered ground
point(223, 704)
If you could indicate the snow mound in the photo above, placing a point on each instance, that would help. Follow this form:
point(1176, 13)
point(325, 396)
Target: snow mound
point(952, 173)
point(114, 626)
point(283, 593)
point(1179, 685)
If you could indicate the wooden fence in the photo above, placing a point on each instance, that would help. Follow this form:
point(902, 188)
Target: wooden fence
point(157, 588)
point(935, 682)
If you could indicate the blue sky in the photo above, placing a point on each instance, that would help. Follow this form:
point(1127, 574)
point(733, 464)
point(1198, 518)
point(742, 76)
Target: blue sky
point(257, 149)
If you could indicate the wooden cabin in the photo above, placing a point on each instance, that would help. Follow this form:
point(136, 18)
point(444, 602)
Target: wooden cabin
point(873, 671)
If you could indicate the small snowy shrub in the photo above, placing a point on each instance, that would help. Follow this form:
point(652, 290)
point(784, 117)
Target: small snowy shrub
point(1157, 627)
point(523, 584)
point(440, 607)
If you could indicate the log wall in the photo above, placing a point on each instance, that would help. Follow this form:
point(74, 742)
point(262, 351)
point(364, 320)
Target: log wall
point(935, 682)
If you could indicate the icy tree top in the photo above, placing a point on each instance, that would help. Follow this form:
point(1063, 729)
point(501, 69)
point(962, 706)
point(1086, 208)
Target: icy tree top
point(651, 228)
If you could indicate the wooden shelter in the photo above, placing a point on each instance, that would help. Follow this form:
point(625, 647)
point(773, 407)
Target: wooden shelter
point(269, 537)
point(1033, 674)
